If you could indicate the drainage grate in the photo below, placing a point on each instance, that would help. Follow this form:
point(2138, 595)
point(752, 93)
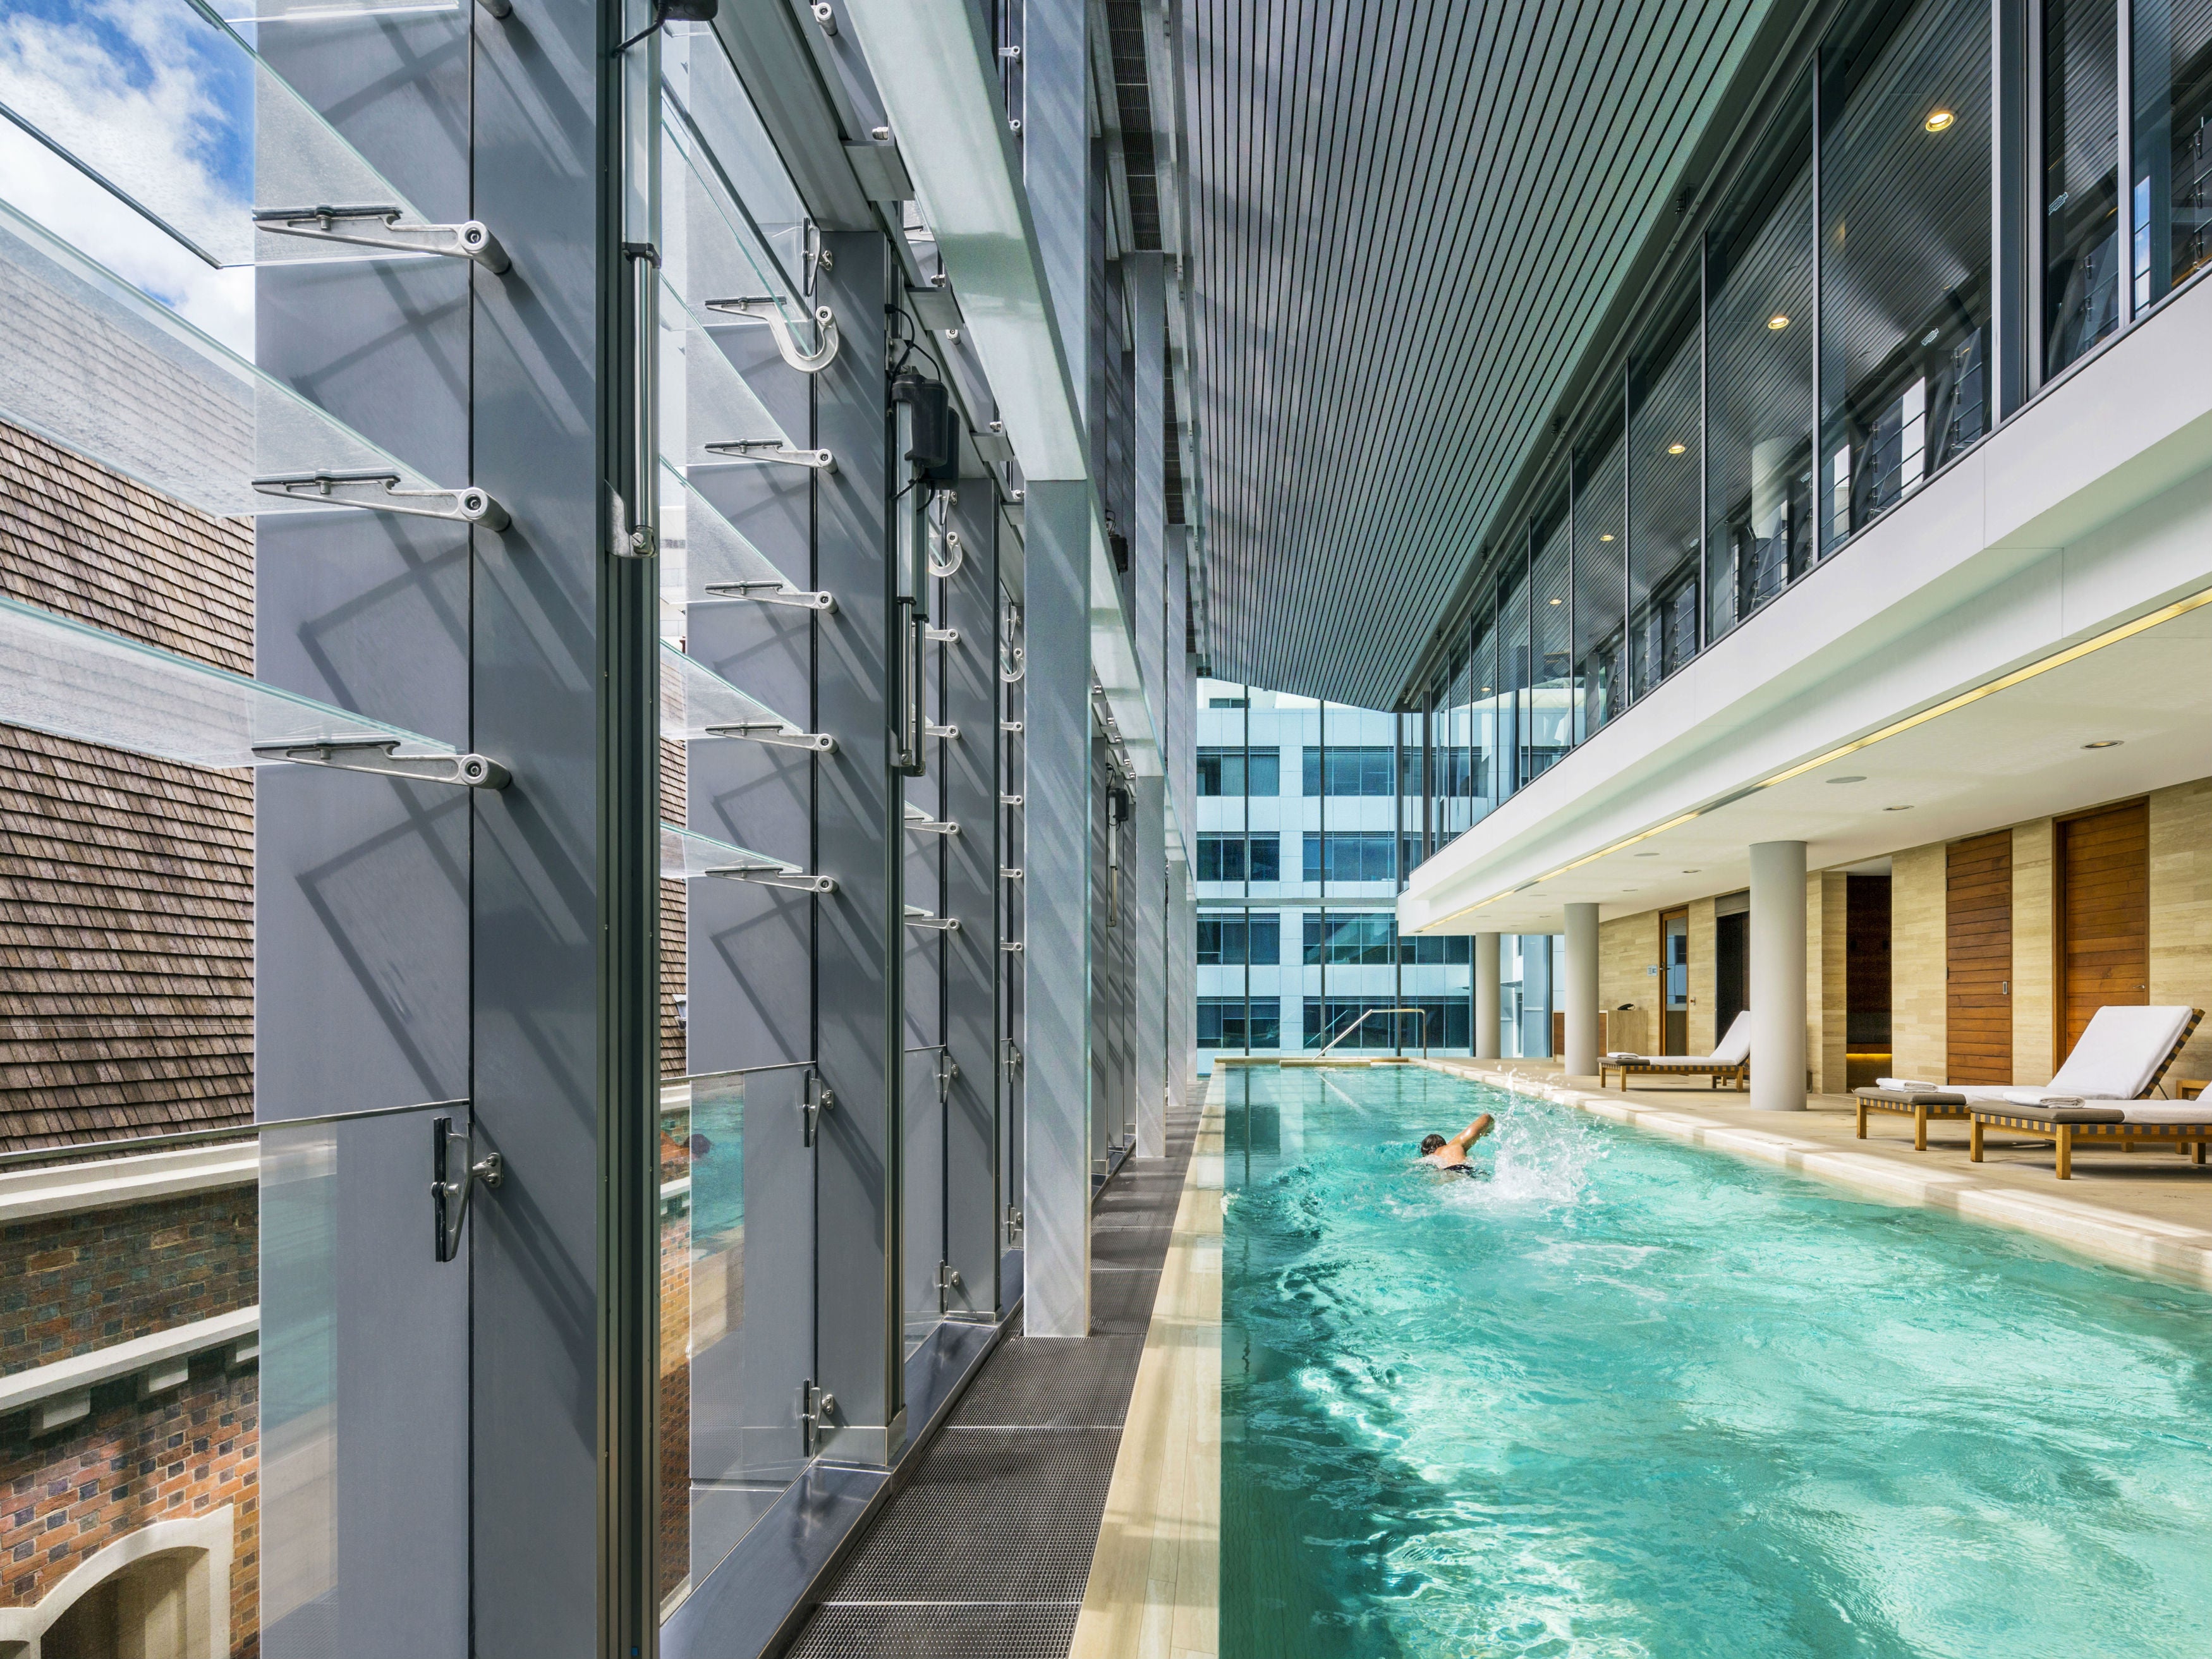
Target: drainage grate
point(844, 1631)
point(990, 1516)
point(1128, 1247)
point(1121, 1302)
point(1052, 1384)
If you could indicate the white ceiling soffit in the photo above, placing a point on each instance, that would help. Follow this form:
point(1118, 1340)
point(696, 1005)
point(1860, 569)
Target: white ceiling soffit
point(1407, 218)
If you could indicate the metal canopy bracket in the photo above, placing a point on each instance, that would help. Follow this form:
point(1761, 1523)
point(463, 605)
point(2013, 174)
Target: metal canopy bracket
point(379, 492)
point(776, 875)
point(933, 826)
point(942, 635)
point(819, 1098)
point(375, 756)
point(931, 729)
point(378, 226)
point(771, 593)
point(762, 308)
point(769, 732)
point(934, 924)
point(775, 449)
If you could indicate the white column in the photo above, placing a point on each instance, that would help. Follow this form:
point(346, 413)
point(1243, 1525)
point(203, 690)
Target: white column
point(1778, 976)
point(1485, 997)
point(1579, 993)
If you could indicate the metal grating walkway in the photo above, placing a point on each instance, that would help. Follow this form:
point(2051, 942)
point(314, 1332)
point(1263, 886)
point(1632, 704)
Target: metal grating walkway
point(984, 1553)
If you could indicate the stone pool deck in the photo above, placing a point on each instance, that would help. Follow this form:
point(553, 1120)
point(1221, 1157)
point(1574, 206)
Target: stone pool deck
point(2149, 1210)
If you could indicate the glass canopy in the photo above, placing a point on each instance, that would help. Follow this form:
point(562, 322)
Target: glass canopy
point(687, 856)
point(714, 246)
point(239, 140)
point(704, 400)
point(701, 550)
point(82, 683)
point(97, 367)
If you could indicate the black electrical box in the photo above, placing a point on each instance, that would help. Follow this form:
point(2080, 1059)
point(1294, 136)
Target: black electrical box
point(933, 451)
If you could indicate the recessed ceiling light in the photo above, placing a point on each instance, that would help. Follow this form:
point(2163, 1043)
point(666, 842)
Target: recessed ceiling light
point(1939, 119)
point(1689, 872)
point(1647, 855)
point(1897, 809)
point(2104, 743)
point(1676, 449)
point(1606, 537)
point(1556, 602)
point(1854, 777)
point(1778, 321)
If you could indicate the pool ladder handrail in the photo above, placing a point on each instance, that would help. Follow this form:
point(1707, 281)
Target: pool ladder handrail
point(1363, 1019)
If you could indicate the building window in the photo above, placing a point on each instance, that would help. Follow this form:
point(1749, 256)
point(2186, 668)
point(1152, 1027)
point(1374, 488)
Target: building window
point(1448, 1022)
point(1364, 938)
point(1238, 858)
point(1239, 772)
point(1362, 770)
point(2172, 151)
point(2080, 178)
point(1239, 1023)
point(1240, 941)
point(1450, 950)
point(1355, 856)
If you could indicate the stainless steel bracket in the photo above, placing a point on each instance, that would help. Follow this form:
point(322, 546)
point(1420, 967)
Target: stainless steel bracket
point(1007, 872)
point(1011, 946)
point(762, 308)
point(379, 492)
point(378, 226)
point(768, 731)
point(774, 875)
point(1010, 800)
point(775, 449)
point(817, 1099)
point(932, 729)
point(374, 755)
point(948, 1280)
point(452, 1181)
point(933, 826)
point(1012, 728)
point(816, 1407)
point(942, 635)
point(935, 924)
point(771, 593)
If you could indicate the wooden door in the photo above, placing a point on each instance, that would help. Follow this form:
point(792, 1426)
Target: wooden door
point(1978, 959)
point(1674, 982)
point(2104, 916)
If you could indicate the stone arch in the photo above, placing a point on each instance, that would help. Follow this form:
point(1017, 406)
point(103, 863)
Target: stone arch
point(161, 1592)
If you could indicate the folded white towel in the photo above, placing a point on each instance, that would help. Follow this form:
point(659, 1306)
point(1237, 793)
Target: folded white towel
point(1908, 1085)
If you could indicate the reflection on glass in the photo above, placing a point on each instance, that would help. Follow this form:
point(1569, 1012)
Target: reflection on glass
point(1905, 254)
point(2171, 63)
point(1664, 541)
point(1758, 375)
point(1548, 705)
point(1601, 573)
point(2080, 178)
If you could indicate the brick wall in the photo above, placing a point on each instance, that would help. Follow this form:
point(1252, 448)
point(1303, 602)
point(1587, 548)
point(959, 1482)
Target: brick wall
point(126, 922)
point(132, 1462)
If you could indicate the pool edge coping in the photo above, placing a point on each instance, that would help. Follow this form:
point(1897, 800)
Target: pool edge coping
point(2158, 1249)
point(1154, 1588)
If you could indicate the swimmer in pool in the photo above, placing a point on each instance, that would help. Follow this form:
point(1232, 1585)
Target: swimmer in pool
point(1452, 1154)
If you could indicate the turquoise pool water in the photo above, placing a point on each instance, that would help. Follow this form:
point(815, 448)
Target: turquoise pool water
point(1623, 1397)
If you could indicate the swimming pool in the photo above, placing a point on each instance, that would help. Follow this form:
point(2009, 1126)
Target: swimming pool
point(1625, 1397)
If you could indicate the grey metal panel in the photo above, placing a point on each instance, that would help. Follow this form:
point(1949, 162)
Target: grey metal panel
point(1056, 1087)
point(859, 940)
point(1105, 1084)
point(1013, 828)
point(1057, 165)
point(968, 601)
point(1367, 188)
point(536, 1010)
point(781, 78)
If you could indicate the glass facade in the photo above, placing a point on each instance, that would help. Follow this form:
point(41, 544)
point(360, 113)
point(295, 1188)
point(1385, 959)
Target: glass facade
point(1831, 344)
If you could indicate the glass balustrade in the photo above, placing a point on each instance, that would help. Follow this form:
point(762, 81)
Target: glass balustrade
point(230, 144)
point(78, 682)
point(95, 365)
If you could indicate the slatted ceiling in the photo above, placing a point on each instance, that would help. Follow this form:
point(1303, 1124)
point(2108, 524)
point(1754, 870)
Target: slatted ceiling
point(1977, 882)
point(1408, 217)
point(2104, 874)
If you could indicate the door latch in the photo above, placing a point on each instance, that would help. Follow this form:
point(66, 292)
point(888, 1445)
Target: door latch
point(818, 1099)
point(453, 1177)
point(817, 1410)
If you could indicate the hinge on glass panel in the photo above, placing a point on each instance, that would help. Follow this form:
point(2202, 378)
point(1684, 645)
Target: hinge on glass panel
point(775, 449)
point(379, 227)
point(816, 1408)
point(1009, 1054)
point(379, 492)
point(772, 731)
point(771, 593)
point(374, 755)
point(1013, 1225)
point(945, 1073)
point(774, 875)
point(817, 1099)
point(761, 308)
point(452, 1178)
point(948, 1280)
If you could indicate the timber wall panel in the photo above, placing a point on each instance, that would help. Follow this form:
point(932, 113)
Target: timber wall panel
point(2104, 915)
point(2181, 910)
point(1919, 1018)
point(1977, 958)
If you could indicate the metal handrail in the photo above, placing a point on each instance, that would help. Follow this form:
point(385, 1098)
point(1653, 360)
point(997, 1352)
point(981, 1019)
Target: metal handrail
point(1364, 1019)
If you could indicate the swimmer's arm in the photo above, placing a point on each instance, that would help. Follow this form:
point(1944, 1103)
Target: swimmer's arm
point(1474, 1131)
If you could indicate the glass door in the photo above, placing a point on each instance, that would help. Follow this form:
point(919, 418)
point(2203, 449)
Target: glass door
point(1674, 981)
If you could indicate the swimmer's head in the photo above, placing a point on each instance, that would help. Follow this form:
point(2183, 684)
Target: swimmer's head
point(1431, 1143)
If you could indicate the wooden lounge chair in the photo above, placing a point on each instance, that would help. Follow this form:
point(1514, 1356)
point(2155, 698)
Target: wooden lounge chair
point(1919, 1102)
point(2100, 1094)
point(1729, 1062)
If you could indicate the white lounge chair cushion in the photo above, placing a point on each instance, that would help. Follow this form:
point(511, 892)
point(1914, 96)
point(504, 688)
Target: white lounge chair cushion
point(1734, 1049)
point(2046, 1096)
point(2120, 1052)
point(1908, 1085)
point(2168, 1111)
